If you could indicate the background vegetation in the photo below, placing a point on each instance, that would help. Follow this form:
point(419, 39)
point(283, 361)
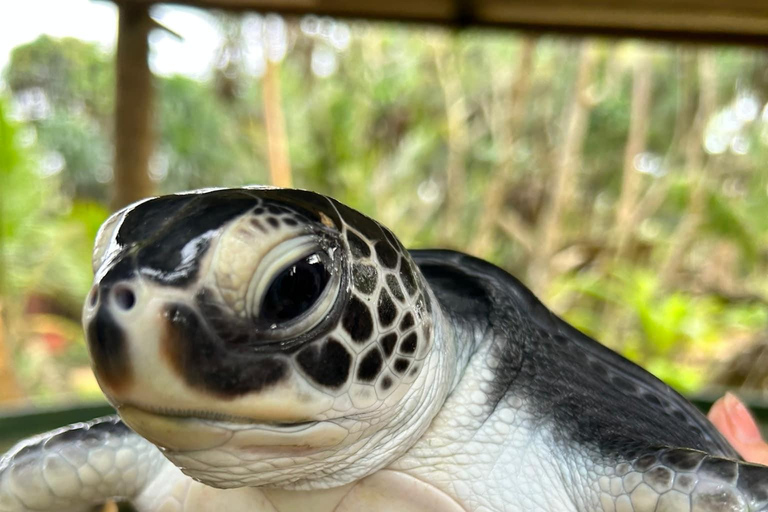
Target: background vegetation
point(625, 182)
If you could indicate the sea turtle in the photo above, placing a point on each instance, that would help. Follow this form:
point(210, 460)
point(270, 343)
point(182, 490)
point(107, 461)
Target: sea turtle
point(275, 350)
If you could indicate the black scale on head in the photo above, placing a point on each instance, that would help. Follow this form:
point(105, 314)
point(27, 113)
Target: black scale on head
point(388, 343)
point(357, 247)
point(328, 364)
point(394, 287)
point(370, 365)
point(401, 365)
point(364, 277)
point(386, 308)
point(409, 344)
point(386, 288)
point(357, 320)
point(386, 254)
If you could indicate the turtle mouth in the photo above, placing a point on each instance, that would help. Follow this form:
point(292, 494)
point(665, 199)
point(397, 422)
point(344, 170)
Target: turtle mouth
point(215, 417)
point(184, 431)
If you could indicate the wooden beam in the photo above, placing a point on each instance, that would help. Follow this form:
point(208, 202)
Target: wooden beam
point(133, 107)
point(742, 21)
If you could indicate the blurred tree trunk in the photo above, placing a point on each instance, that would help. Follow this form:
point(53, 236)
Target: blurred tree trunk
point(277, 141)
point(569, 159)
point(456, 117)
point(642, 85)
point(133, 107)
point(684, 235)
point(506, 125)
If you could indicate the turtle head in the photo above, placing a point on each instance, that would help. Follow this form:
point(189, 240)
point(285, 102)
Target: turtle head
point(268, 329)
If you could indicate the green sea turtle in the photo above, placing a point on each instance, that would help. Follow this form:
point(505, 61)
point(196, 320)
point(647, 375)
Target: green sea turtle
point(274, 350)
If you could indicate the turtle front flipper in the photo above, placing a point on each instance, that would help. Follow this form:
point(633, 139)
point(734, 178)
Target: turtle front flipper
point(684, 480)
point(76, 467)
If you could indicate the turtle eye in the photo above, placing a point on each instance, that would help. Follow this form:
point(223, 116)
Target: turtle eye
point(295, 290)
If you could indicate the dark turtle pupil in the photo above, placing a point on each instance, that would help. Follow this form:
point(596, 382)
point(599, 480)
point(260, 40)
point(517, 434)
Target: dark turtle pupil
point(295, 290)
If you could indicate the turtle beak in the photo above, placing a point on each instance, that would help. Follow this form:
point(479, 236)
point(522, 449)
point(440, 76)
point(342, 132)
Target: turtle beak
point(107, 340)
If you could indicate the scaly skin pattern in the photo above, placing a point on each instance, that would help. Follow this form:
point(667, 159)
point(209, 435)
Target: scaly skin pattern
point(76, 467)
point(277, 351)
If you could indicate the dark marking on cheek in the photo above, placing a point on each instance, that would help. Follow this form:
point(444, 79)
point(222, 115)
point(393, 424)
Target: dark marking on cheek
point(289, 221)
point(370, 366)
point(388, 343)
point(357, 320)
point(401, 365)
point(386, 309)
point(364, 277)
point(414, 370)
point(210, 365)
point(394, 287)
point(273, 222)
point(357, 246)
point(386, 383)
point(409, 344)
point(328, 365)
point(386, 254)
point(109, 351)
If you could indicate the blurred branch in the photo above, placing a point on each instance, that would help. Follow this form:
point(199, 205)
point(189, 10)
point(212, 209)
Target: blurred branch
point(516, 228)
point(651, 201)
point(569, 161)
point(279, 162)
point(686, 230)
point(642, 84)
point(456, 118)
point(506, 121)
point(611, 81)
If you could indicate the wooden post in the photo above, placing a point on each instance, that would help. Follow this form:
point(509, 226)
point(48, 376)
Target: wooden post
point(133, 107)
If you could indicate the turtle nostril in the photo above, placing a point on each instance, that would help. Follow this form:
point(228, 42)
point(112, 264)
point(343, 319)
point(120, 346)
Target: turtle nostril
point(124, 297)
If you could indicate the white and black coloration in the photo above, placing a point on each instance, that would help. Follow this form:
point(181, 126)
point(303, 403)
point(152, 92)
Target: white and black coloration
point(273, 350)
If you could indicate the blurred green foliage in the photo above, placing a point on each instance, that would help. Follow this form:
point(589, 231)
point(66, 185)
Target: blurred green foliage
point(424, 130)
